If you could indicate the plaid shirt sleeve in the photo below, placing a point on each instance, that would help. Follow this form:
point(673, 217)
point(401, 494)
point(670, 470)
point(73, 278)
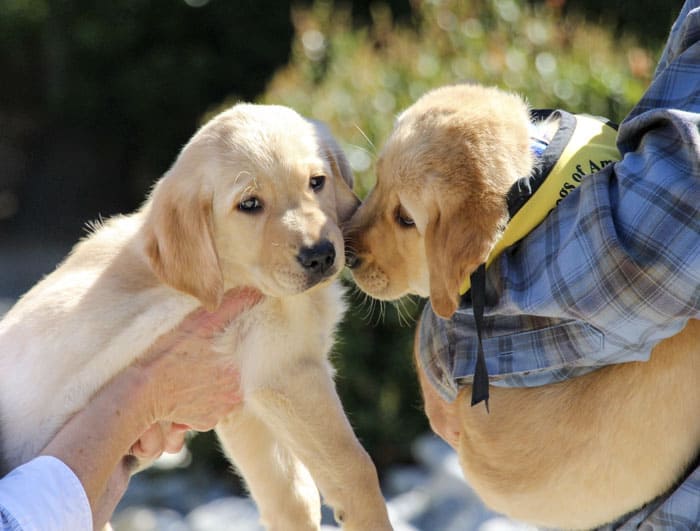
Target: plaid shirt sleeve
point(622, 254)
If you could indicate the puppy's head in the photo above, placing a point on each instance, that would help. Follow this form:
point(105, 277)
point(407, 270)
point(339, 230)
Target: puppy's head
point(255, 198)
point(439, 203)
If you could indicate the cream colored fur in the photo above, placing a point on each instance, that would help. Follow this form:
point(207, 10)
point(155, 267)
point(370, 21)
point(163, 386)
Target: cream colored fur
point(137, 276)
point(576, 454)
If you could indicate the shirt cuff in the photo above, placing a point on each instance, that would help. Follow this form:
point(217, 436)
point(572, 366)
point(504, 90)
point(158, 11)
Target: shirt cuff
point(45, 495)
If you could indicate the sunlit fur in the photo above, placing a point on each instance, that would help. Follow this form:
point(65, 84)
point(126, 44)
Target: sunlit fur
point(575, 454)
point(135, 277)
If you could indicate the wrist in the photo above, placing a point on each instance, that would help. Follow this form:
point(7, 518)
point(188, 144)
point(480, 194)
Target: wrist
point(94, 441)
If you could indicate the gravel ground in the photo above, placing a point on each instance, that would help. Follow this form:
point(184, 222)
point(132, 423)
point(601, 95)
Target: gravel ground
point(430, 496)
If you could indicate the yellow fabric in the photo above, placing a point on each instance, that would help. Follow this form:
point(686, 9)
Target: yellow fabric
point(591, 147)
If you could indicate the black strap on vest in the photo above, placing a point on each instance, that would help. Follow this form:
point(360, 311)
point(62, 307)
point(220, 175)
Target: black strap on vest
point(517, 196)
point(480, 386)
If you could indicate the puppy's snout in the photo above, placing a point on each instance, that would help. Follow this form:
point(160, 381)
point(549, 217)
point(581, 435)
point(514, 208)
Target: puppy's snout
point(319, 258)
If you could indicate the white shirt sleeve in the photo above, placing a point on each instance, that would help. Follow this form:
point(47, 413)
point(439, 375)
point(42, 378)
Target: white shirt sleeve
point(43, 495)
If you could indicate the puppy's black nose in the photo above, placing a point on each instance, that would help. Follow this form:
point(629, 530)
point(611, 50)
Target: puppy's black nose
point(318, 258)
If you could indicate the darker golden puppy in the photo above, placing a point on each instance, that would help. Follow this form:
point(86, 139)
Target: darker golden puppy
point(562, 455)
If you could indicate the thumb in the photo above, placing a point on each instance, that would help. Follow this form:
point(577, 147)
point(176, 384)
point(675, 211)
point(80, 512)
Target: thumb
point(234, 303)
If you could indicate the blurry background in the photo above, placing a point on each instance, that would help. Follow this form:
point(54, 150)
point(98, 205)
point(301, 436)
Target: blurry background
point(98, 96)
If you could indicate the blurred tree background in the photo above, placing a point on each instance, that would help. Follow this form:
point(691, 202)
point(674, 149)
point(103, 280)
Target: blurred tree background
point(97, 97)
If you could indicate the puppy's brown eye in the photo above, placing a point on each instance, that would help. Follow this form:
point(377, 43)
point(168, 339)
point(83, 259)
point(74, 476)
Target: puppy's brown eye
point(403, 219)
point(250, 205)
point(316, 183)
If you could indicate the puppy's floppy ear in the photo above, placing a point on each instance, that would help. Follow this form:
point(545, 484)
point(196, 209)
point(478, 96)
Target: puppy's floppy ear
point(455, 245)
point(345, 199)
point(179, 239)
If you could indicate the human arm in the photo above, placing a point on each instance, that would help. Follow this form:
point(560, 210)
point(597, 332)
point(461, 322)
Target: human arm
point(179, 380)
point(615, 268)
point(622, 253)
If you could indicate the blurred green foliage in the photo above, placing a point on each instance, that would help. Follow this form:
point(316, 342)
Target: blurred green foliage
point(357, 79)
point(123, 80)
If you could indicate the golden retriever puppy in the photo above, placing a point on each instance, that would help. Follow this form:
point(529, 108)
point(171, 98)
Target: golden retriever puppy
point(569, 454)
point(254, 199)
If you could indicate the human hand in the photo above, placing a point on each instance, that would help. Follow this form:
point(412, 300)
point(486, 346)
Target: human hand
point(160, 437)
point(189, 383)
point(180, 380)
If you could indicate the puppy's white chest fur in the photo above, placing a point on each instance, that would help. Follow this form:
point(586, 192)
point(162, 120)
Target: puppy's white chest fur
point(280, 332)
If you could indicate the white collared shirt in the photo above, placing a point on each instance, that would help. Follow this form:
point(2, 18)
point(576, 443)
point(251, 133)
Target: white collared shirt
point(43, 495)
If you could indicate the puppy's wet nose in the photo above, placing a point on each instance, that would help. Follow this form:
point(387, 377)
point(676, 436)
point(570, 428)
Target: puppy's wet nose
point(318, 258)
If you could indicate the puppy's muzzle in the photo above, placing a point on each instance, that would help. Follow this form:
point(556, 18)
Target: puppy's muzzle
point(317, 260)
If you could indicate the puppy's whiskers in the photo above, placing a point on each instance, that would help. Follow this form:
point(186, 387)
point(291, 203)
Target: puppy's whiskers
point(367, 139)
point(364, 303)
point(405, 314)
point(382, 313)
point(370, 310)
point(372, 305)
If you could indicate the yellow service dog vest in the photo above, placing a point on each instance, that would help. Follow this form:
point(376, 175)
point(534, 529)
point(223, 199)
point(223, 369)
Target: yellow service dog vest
point(582, 145)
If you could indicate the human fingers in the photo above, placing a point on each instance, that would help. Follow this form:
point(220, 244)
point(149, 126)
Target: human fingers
point(151, 443)
point(192, 389)
point(205, 415)
point(198, 328)
point(235, 302)
point(175, 438)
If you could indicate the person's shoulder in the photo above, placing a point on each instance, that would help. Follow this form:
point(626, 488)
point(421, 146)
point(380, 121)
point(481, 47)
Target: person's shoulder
point(684, 34)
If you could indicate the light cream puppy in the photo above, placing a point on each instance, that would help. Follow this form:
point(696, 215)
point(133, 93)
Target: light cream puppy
point(254, 199)
point(566, 455)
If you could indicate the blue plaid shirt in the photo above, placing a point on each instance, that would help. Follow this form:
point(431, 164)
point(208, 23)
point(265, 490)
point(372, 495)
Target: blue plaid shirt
point(611, 272)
